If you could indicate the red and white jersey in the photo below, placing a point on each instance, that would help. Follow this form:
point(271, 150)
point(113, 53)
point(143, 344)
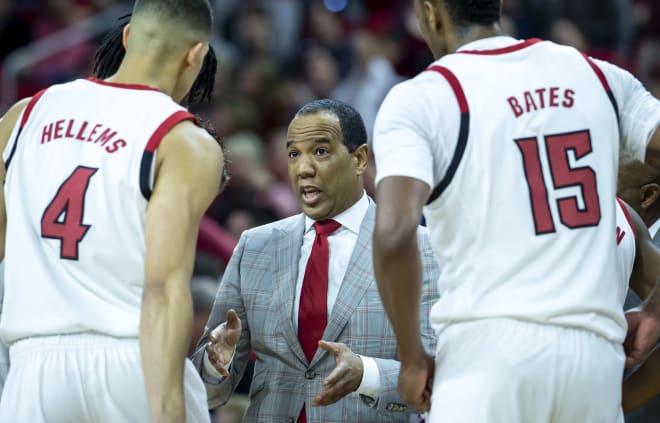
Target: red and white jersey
point(519, 142)
point(79, 173)
point(625, 248)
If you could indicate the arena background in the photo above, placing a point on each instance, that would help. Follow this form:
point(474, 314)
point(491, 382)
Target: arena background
point(274, 56)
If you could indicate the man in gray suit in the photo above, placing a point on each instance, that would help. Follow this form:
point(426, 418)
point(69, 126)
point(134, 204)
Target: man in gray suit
point(639, 186)
point(325, 350)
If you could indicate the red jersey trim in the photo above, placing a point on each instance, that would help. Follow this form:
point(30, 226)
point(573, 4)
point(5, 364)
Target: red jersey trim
point(599, 72)
point(463, 131)
point(30, 107)
point(515, 47)
point(153, 143)
point(166, 126)
point(455, 86)
point(624, 208)
point(124, 86)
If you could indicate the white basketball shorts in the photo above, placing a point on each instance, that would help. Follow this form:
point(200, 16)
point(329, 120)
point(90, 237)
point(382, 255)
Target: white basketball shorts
point(85, 378)
point(511, 371)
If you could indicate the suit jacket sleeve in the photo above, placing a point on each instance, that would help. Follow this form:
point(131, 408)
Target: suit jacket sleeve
point(389, 400)
point(227, 297)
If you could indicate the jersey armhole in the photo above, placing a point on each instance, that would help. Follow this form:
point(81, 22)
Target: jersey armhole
point(147, 163)
point(606, 85)
point(462, 133)
point(627, 215)
point(24, 118)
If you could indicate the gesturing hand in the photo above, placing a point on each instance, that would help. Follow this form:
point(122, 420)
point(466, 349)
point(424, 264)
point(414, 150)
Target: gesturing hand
point(344, 378)
point(643, 333)
point(416, 381)
point(222, 342)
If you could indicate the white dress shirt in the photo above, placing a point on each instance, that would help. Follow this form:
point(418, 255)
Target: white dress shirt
point(653, 229)
point(340, 244)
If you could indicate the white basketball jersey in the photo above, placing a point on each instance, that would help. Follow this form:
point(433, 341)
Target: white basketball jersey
point(522, 219)
point(79, 174)
point(625, 248)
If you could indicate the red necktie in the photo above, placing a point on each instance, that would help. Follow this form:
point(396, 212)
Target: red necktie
point(313, 310)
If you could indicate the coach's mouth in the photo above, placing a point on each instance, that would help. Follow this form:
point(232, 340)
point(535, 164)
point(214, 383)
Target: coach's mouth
point(309, 195)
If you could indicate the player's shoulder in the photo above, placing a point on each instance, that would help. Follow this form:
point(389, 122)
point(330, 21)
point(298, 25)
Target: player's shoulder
point(426, 89)
point(186, 136)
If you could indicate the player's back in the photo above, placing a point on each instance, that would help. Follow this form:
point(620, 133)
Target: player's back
point(525, 227)
point(80, 166)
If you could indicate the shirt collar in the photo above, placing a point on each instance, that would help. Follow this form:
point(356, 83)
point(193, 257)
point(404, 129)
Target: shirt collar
point(490, 43)
point(654, 228)
point(351, 218)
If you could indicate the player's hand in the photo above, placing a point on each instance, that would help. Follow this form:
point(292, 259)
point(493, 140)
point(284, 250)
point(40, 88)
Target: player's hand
point(643, 334)
point(222, 342)
point(416, 382)
point(344, 378)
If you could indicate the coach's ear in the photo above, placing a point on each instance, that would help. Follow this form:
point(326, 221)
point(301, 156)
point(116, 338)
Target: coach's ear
point(124, 35)
point(648, 194)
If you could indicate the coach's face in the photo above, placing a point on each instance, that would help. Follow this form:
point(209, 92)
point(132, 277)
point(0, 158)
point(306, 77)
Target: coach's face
point(326, 177)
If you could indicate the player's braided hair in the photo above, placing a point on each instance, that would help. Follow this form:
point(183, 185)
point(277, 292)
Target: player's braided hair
point(474, 12)
point(111, 52)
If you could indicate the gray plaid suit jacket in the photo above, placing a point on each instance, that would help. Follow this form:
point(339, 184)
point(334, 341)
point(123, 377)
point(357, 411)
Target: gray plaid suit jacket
point(259, 283)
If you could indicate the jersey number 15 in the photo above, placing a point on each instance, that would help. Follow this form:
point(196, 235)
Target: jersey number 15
point(563, 176)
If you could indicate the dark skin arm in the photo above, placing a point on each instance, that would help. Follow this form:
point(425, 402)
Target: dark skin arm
point(398, 271)
point(646, 268)
point(644, 322)
point(653, 150)
point(643, 385)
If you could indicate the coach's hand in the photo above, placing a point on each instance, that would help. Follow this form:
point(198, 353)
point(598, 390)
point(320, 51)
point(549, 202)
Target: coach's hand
point(643, 334)
point(344, 378)
point(416, 382)
point(222, 343)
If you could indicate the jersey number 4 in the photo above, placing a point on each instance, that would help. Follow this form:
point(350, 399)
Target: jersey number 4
point(63, 218)
point(563, 175)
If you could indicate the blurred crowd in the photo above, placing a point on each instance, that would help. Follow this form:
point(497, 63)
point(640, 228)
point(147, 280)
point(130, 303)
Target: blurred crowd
point(275, 55)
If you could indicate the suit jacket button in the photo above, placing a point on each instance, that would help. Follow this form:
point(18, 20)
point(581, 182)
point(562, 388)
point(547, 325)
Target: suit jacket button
point(310, 374)
point(291, 420)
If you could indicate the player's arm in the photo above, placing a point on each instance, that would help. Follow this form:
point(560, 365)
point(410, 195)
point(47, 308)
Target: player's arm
point(646, 268)
point(642, 386)
point(653, 150)
point(7, 123)
point(188, 173)
point(639, 114)
point(397, 264)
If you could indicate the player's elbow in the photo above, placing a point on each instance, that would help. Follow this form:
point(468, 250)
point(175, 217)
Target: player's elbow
point(392, 236)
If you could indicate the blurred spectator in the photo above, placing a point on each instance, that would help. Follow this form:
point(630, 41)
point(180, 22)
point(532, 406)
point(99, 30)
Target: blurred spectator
point(372, 76)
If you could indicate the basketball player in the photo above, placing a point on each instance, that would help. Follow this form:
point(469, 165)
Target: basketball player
point(105, 184)
point(510, 148)
point(637, 257)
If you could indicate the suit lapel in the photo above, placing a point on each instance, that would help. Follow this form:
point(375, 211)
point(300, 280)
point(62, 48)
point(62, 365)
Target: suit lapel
point(358, 278)
point(286, 256)
point(656, 239)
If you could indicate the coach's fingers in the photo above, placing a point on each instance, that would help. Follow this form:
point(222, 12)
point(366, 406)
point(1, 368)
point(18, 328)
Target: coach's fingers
point(233, 321)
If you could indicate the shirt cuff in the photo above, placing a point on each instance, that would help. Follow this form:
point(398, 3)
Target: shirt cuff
point(370, 384)
point(212, 375)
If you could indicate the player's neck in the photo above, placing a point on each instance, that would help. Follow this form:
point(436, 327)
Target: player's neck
point(651, 218)
point(140, 71)
point(466, 35)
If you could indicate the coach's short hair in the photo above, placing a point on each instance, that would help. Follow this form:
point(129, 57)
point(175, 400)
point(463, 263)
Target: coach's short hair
point(195, 15)
point(473, 12)
point(352, 127)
